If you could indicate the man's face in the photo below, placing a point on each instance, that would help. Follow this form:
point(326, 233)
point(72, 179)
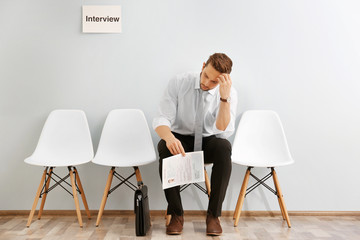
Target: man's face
point(208, 77)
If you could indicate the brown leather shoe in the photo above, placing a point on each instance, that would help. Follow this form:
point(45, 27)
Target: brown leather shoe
point(213, 227)
point(175, 226)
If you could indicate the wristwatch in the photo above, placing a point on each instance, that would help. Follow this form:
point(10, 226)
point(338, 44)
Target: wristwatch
point(225, 100)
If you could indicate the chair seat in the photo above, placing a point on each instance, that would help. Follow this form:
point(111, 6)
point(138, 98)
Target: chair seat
point(56, 162)
point(251, 163)
point(64, 141)
point(122, 162)
point(125, 140)
point(260, 140)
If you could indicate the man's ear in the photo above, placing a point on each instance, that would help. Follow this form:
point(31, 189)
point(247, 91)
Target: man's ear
point(203, 66)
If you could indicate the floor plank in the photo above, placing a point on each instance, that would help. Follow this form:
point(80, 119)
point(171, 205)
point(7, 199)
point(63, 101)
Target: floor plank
point(123, 227)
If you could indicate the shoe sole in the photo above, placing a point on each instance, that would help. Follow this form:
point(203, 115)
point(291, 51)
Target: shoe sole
point(213, 234)
point(173, 233)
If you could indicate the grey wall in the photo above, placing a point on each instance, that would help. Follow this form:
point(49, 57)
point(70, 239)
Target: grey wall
point(299, 58)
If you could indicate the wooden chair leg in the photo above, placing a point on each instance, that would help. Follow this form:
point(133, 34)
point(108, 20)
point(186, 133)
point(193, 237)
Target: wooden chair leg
point(82, 193)
point(207, 182)
point(138, 174)
point(37, 196)
point(105, 195)
point(77, 206)
point(280, 197)
point(45, 193)
point(241, 197)
point(281, 208)
point(238, 202)
point(280, 205)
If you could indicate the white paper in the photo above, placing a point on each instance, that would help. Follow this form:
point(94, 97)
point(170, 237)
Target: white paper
point(101, 19)
point(179, 170)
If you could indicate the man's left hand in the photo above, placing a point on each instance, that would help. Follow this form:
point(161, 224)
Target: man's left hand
point(225, 85)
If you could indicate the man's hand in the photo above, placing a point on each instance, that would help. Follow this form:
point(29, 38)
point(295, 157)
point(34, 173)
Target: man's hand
point(174, 146)
point(224, 117)
point(225, 85)
point(172, 143)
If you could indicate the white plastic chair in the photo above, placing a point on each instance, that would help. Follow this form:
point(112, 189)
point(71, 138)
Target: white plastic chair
point(125, 142)
point(260, 142)
point(65, 141)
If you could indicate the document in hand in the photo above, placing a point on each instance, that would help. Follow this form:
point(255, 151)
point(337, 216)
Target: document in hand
point(179, 170)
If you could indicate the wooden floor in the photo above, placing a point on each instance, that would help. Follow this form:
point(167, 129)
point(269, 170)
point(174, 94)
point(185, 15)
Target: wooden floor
point(122, 227)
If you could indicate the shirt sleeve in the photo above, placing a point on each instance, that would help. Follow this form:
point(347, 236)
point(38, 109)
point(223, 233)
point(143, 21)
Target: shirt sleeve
point(168, 104)
point(230, 129)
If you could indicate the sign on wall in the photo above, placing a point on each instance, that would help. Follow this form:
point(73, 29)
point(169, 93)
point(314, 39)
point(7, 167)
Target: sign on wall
point(101, 19)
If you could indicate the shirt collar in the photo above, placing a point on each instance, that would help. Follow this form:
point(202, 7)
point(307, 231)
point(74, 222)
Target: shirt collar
point(197, 85)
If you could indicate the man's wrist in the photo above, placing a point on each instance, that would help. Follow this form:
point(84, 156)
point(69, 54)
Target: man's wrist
point(228, 99)
point(169, 138)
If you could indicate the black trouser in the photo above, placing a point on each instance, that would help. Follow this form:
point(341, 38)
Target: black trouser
point(216, 151)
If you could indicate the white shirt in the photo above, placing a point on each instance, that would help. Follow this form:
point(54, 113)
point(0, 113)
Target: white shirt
point(177, 108)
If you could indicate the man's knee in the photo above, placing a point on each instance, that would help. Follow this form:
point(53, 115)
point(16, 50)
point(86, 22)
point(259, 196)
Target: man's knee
point(218, 150)
point(222, 147)
point(163, 150)
point(223, 144)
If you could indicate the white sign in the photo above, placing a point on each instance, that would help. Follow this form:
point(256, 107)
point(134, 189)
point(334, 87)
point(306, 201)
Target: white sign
point(179, 170)
point(102, 19)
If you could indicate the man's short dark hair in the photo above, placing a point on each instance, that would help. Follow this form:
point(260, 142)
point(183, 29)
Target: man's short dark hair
point(220, 62)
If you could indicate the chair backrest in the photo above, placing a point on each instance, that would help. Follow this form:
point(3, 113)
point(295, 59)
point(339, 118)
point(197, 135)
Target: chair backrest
point(125, 140)
point(260, 140)
point(64, 141)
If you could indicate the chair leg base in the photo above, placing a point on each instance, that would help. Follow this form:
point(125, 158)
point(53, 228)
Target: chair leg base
point(278, 193)
point(43, 191)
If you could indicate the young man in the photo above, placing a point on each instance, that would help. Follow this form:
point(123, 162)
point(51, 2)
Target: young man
point(197, 112)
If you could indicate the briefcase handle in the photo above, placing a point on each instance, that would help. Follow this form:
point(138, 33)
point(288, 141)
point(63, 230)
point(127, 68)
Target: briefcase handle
point(140, 183)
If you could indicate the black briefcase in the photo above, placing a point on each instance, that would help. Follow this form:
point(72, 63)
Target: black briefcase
point(142, 214)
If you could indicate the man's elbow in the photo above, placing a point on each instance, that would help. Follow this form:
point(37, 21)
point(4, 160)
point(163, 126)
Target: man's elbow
point(221, 127)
